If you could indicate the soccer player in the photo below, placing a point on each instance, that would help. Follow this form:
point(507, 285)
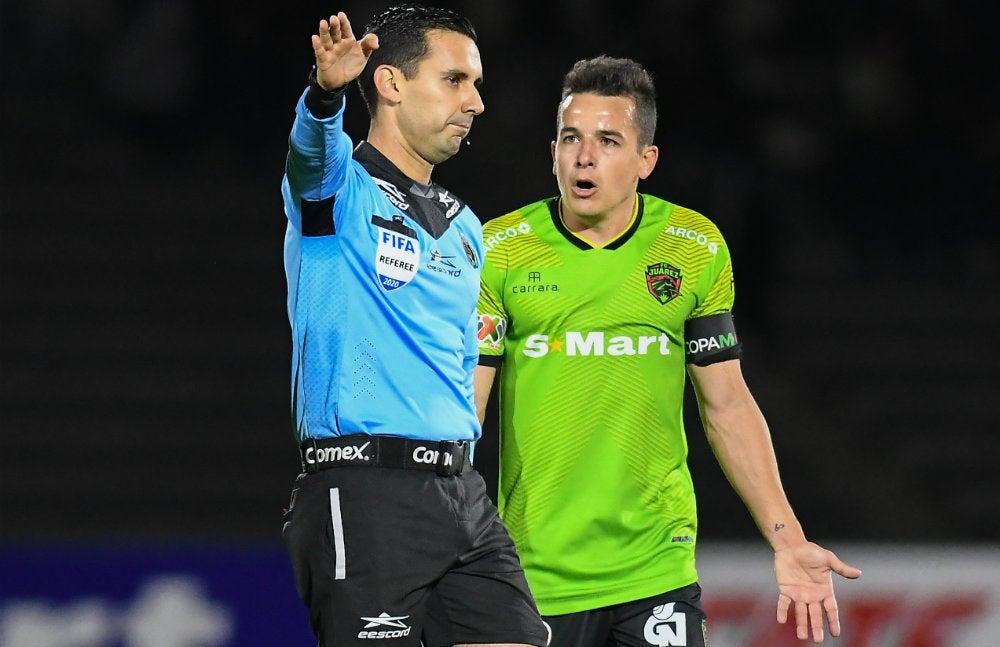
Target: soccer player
point(388, 517)
point(595, 303)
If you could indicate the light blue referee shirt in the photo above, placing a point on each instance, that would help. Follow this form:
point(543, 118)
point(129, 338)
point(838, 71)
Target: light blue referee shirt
point(383, 280)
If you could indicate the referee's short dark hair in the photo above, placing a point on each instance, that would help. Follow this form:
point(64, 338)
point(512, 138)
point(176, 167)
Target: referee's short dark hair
point(617, 77)
point(402, 41)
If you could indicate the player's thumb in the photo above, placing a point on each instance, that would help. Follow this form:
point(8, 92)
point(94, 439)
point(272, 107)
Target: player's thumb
point(844, 569)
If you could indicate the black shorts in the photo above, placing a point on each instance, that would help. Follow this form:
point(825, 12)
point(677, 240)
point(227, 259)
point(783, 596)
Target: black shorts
point(372, 548)
point(671, 619)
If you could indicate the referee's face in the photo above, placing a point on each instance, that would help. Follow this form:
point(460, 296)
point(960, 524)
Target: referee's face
point(437, 106)
point(597, 159)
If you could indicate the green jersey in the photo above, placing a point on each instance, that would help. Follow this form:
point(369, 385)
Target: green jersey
point(594, 483)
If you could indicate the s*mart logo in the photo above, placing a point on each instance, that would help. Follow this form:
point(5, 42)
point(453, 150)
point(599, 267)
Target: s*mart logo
point(595, 343)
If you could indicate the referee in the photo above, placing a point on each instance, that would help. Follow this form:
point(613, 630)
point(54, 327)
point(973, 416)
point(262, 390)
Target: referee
point(389, 518)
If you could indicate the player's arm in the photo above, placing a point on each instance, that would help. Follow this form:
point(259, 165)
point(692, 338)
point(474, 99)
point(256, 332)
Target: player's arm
point(738, 434)
point(492, 328)
point(482, 385)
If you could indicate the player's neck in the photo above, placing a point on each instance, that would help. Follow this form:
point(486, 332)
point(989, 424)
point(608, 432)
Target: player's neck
point(602, 228)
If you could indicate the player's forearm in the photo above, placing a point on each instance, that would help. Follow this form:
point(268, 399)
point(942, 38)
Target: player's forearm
point(482, 384)
point(742, 445)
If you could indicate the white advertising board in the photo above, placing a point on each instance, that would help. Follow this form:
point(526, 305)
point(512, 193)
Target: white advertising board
point(908, 596)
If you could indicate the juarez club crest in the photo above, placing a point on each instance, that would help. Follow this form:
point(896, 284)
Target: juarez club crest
point(663, 281)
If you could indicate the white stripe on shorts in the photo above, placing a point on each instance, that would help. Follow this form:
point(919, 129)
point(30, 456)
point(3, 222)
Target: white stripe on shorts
point(340, 565)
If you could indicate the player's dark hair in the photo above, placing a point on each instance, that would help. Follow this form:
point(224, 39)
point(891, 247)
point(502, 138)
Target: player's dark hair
point(617, 77)
point(402, 38)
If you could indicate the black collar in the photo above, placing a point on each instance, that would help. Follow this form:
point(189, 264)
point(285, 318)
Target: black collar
point(560, 226)
point(429, 205)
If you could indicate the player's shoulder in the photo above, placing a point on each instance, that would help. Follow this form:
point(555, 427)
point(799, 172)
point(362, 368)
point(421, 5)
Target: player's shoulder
point(675, 214)
point(529, 213)
point(500, 223)
point(678, 221)
point(515, 227)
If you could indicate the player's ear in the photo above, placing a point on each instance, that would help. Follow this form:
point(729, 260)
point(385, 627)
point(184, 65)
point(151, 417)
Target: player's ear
point(387, 80)
point(647, 163)
point(553, 149)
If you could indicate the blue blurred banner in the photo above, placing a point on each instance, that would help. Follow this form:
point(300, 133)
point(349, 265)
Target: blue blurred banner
point(130, 596)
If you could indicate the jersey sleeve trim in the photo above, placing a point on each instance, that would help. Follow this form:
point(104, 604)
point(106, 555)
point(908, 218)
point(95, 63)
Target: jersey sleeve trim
point(490, 360)
point(323, 104)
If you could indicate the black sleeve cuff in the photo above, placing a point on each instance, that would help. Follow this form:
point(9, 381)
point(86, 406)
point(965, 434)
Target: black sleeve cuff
point(490, 360)
point(321, 103)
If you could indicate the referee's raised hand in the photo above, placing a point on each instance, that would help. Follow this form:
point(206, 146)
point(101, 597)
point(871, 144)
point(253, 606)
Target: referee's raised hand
point(340, 57)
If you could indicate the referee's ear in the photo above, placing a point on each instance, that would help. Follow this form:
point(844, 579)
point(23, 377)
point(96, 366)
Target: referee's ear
point(387, 81)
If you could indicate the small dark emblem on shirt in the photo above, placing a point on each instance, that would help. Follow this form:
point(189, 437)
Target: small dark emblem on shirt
point(663, 281)
point(469, 251)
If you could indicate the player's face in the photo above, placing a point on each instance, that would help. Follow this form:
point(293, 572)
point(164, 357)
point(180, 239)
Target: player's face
point(439, 103)
point(597, 159)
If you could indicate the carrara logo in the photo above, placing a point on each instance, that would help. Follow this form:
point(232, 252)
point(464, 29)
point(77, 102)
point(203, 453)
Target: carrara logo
point(595, 343)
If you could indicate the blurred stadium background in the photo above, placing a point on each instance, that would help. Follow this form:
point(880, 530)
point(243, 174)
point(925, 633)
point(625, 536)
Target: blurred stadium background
point(848, 152)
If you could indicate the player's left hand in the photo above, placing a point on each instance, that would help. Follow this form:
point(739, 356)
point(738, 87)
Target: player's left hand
point(805, 580)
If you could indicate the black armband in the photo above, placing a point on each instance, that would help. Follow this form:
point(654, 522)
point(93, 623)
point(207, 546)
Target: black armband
point(321, 103)
point(490, 360)
point(711, 339)
point(317, 217)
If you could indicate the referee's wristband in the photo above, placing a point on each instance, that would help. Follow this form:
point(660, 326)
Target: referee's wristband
point(323, 103)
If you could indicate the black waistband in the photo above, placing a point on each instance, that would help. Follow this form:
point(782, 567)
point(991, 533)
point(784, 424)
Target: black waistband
point(446, 457)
